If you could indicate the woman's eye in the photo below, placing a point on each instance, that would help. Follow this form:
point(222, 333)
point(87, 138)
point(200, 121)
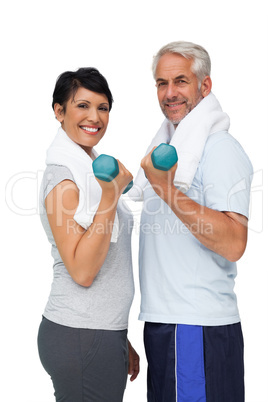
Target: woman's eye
point(82, 105)
point(104, 109)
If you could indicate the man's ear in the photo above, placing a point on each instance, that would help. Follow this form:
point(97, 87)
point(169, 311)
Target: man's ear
point(206, 86)
point(59, 112)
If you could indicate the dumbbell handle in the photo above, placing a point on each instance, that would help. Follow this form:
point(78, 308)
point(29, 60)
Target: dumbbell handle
point(164, 157)
point(106, 168)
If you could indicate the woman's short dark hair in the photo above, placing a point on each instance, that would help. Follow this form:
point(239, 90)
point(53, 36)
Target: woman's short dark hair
point(68, 83)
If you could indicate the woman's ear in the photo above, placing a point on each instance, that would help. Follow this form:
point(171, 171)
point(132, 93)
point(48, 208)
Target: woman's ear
point(59, 112)
point(206, 86)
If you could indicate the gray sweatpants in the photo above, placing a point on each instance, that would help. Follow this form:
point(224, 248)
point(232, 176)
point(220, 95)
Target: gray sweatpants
point(85, 365)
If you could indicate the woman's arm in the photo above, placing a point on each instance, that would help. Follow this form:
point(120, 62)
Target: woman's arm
point(83, 251)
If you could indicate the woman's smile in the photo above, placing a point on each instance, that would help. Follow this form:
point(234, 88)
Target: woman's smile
point(85, 118)
point(90, 129)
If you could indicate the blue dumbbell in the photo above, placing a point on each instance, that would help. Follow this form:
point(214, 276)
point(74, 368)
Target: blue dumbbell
point(105, 167)
point(164, 157)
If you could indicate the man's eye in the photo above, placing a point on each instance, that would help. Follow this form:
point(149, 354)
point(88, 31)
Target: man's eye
point(161, 84)
point(180, 82)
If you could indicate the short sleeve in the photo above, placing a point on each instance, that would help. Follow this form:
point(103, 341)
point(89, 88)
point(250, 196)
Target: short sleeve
point(227, 175)
point(53, 175)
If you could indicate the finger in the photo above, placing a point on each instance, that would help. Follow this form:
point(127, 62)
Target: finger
point(152, 150)
point(122, 167)
point(146, 161)
point(136, 370)
point(124, 170)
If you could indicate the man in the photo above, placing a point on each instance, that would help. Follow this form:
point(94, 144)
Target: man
point(193, 230)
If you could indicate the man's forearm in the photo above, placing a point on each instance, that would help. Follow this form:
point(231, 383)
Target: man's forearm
point(222, 232)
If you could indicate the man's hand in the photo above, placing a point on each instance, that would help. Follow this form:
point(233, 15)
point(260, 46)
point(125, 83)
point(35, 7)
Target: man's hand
point(160, 180)
point(133, 362)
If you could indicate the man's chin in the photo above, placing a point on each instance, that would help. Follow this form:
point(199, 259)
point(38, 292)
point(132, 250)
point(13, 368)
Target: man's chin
point(175, 120)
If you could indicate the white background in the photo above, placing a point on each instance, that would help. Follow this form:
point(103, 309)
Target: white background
point(41, 40)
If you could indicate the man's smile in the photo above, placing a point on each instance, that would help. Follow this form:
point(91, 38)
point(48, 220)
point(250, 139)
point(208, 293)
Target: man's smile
point(174, 104)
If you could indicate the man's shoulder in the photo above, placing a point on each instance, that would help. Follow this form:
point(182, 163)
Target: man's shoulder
point(222, 146)
point(222, 141)
point(218, 137)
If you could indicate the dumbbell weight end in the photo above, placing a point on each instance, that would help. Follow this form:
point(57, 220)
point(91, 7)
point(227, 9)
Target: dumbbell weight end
point(164, 157)
point(105, 167)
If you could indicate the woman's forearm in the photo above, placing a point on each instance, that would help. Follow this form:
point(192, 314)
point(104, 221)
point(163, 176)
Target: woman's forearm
point(83, 251)
point(92, 249)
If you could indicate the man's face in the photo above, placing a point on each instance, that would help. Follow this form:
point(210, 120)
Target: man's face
point(177, 87)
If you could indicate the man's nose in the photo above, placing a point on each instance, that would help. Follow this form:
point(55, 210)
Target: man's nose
point(172, 90)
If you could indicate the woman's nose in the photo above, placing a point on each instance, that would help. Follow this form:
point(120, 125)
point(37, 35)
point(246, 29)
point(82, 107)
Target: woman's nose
point(93, 115)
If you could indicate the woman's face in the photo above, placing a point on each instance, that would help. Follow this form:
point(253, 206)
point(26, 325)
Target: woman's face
point(85, 119)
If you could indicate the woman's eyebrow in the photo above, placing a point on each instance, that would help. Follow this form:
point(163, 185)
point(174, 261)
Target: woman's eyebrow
point(81, 100)
point(84, 100)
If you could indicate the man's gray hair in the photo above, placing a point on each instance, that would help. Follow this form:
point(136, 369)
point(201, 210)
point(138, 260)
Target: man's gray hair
point(201, 61)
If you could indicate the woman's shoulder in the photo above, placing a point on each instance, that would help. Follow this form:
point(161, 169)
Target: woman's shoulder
point(53, 175)
point(57, 170)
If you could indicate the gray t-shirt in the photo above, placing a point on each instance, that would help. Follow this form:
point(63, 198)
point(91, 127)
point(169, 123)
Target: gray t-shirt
point(106, 303)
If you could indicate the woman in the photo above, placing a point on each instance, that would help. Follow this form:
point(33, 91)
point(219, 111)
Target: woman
point(82, 338)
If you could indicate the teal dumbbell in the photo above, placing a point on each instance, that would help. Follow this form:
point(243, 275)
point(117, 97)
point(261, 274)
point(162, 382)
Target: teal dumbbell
point(105, 167)
point(164, 157)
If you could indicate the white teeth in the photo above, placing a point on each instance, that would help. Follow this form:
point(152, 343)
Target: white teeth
point(175, 104)
point(91, 130)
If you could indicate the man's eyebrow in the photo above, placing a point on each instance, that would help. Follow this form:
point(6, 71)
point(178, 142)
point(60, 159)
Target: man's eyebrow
point(180, 77)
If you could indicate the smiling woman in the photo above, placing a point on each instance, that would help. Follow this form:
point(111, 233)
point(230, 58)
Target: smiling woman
point(85, 118)
point(86, 316)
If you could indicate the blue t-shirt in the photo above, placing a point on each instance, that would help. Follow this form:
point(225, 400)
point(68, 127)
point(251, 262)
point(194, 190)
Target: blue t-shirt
point(181, 280)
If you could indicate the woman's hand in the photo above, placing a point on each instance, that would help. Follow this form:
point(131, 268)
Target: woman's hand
point(115, 188)
point(133, 362)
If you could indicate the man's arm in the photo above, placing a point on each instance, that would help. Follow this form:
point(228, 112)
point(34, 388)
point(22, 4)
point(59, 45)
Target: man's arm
point(225, 233)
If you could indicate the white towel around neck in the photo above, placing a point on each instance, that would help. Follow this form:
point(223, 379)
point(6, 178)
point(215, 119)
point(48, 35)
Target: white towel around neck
point(189, 139)
point(65, 152)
